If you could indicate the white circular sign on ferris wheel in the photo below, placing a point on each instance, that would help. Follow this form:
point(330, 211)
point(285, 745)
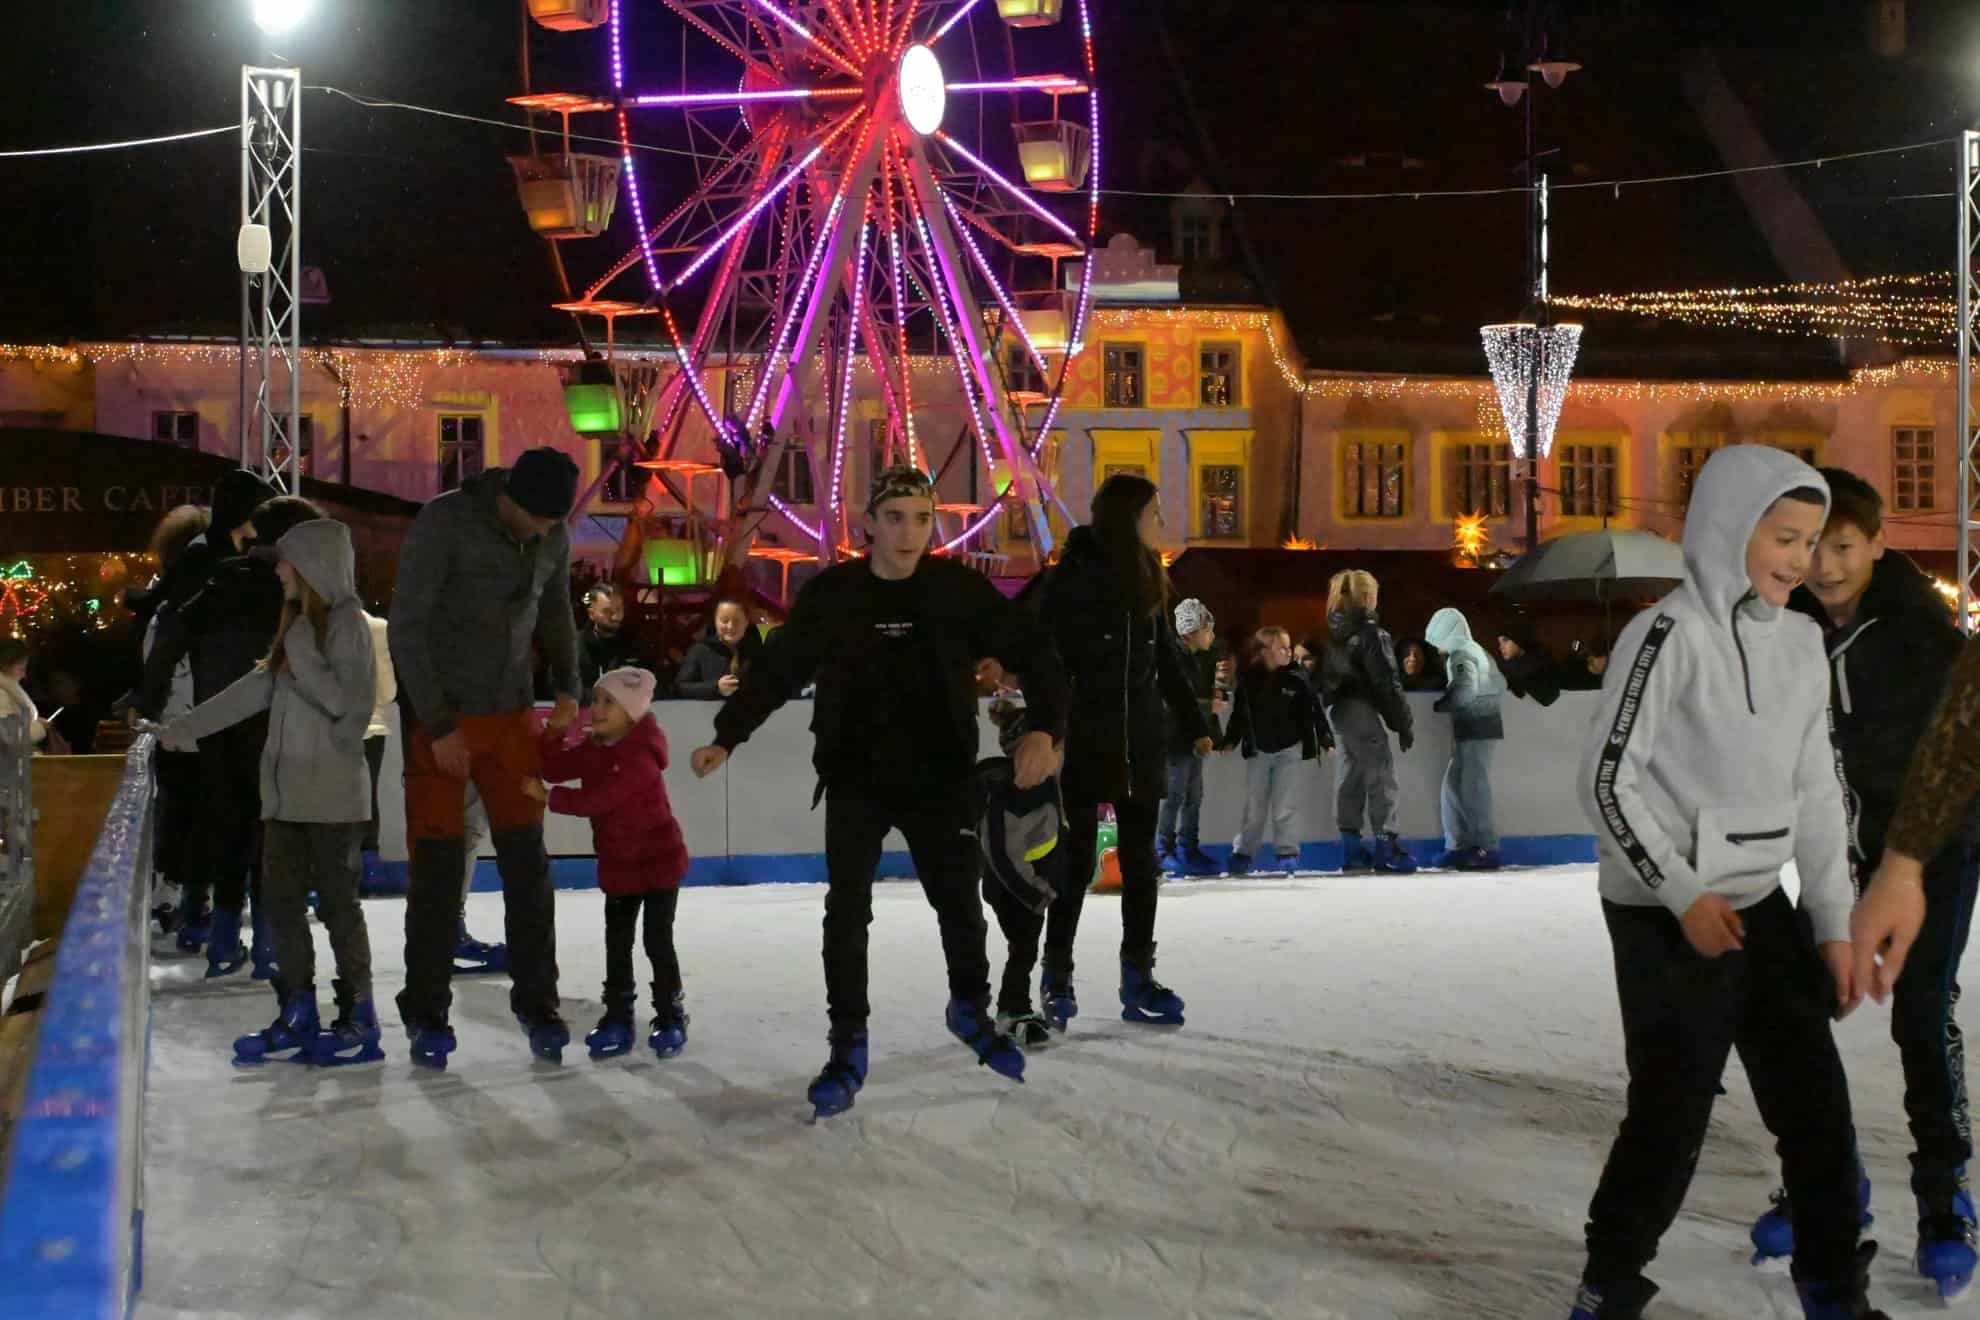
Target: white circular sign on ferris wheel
point(924, 92)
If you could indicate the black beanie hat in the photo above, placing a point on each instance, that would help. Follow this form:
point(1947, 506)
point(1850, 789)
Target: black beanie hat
point(544, 481)
point(235, 499)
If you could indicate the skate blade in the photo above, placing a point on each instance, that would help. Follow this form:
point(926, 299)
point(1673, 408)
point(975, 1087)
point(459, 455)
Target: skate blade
point(610, 1051)
point(1953, 1290)
point(667, 1051)
point(369, 1053)
point(1140, 1018)
point(1771, 1264)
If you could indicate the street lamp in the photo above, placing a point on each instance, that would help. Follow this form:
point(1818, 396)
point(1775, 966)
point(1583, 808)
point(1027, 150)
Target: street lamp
point(276, 17)
point(1533, 350)
point(268, 249)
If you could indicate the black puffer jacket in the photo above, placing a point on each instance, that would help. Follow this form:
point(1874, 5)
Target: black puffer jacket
point(1276, 706)
point(1360, 664)
point(1124, 671)
point(600, 653)
point(1887, 668)
point(709, 659)
point(1534, 673)
point(1201, 667)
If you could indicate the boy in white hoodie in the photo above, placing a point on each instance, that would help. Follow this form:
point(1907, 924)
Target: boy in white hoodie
point(1708, 768)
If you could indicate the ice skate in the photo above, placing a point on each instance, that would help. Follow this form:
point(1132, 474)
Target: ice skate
point(1355, 853)
point(547, 1035)
point(613, 1035)
point(1842, 1299)
point(292, 1033)
point(262, 949)
point(354, 1037)
point(1055, 990)
point(1391, 858)
point(1772, 1233)
point(225, 954)
point(472, 957)
point(668, 1035)
point(1146, 1000)
point(1026, 1026)
point(974, 1028)
point(1624, 1301)
point(832, 1091)
point(431, 1044)
point(1946, 1243)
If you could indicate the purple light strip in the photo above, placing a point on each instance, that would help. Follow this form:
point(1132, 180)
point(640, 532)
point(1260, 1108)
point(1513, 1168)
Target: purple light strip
point(1064, 84)
point(1003, 299)
point(954, 19)
point(814, 533)
point(1010, 187)
point(738, 98)
point(626, 158)
point(794, 315)
point(852, 354)
point(755, 210)
point(1075, 344)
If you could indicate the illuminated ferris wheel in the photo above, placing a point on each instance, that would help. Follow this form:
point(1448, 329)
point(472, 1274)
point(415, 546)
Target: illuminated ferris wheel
point(855, 184)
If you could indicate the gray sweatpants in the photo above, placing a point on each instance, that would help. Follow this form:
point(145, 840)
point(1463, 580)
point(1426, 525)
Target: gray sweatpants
point(296, 858)
point(1467, 796)
point(1365, 773)
point(1269, 804)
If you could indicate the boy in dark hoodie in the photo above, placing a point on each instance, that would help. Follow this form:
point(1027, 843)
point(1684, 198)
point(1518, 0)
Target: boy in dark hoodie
point(1707, 769)
point(1178, 837)
point(1891, 643)
point(893, 639)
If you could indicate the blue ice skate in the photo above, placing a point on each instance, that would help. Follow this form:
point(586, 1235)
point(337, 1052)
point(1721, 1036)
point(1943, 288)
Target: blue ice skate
point(668, 1035)
point(431, 1044)
point(1197, 862)
point(1946, 1243)
point(472, 957)
point(225, 954)
point(1391, 858)
point(547, 1035)
point(194, 928)
point(832, 1091)
point(1055, 989)
point(1146, 1000)
point(353, 1038)
point(613, 1036)
point(292, 1033)
point(975, 1028)
point(1355, 853)
point(1773, 1232)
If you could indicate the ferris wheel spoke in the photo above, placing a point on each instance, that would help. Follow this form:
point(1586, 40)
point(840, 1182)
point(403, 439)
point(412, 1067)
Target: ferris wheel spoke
point(1030, 203)
point(744, 98)
point(997, 289)
point(823, 47)
point(1059, 84)
point(951, 21)
point(739, 49)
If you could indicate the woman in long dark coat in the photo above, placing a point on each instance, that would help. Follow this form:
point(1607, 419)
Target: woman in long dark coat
point(1106, 604)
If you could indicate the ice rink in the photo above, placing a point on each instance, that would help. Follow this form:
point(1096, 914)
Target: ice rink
point(1392, 1099)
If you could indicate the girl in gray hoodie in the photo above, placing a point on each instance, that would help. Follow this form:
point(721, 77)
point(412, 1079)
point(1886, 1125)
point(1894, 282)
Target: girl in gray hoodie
point(317, 685)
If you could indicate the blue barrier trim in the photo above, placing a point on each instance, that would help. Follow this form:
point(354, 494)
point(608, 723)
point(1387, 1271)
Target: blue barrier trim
point(809, 868)
point(71, 1219)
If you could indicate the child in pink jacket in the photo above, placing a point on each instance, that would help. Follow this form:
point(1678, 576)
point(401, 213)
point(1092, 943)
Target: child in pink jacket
point(641, 856)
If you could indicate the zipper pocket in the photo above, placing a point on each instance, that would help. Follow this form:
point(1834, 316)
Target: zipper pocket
point(1758, 837)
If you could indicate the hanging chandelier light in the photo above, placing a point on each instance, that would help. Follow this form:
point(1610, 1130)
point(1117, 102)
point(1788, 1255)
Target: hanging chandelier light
point(1517, 352)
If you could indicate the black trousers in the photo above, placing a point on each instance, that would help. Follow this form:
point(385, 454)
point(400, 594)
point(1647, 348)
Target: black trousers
point(374, 756)
point(177, 849)
point(1682, 1013)
point(1928, 1038)
point(1022, 928)
point(942, 840)
point(433, 920)
point(299, 858)
point(1141, 880)
point(230, 813)
point(622, 912)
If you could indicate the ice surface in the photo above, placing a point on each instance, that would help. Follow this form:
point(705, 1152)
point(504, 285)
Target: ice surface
point(1392, 1099)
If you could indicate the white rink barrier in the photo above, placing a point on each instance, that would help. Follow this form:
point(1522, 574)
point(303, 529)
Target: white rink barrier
point(752, 822)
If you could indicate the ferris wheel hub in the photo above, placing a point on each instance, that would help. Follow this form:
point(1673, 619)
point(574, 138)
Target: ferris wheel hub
point(923, 90)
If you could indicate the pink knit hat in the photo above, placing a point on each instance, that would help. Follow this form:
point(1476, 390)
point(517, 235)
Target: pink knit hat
point(632, 688)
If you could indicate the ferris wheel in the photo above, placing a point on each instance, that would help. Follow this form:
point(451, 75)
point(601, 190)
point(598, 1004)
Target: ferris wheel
point(852, 190)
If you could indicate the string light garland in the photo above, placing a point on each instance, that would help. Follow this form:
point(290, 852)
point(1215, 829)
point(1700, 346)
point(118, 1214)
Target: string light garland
point(1911, 310)
point(1516, 353)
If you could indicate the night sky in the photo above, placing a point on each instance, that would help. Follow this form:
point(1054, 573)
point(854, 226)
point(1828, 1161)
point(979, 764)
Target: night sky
point(415, 222)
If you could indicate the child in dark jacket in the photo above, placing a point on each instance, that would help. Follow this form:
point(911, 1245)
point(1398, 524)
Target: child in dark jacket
point(1362, 688)
point(642, 857)
point(1178, 845)
point(1276, 721)
point(1891, 642)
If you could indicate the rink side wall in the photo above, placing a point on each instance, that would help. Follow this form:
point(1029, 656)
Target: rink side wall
point(752, 823)
point(72, 1205)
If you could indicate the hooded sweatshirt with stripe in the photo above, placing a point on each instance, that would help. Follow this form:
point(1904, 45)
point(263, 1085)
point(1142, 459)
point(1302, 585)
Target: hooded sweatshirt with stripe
point(1710, 764)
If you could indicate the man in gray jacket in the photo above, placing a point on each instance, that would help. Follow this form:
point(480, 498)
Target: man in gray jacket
point(484, 571)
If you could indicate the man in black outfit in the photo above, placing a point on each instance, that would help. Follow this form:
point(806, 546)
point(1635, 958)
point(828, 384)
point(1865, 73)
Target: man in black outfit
point(604, 645)
point(892, 640)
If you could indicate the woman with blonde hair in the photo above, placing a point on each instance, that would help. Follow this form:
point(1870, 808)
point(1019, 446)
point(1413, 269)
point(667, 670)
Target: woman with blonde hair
point(1361, 687)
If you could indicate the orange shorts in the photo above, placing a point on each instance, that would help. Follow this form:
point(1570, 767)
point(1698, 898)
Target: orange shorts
point(502, 755)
